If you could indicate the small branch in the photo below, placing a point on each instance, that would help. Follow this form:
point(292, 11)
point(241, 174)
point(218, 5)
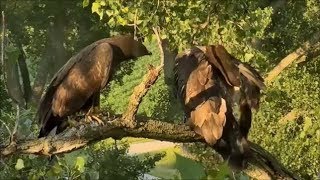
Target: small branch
point(14, 132)
point(138, 93)
point(7, 127)
point(2, 45)
point(289, 59)
point(292, 115)
point(141, 90)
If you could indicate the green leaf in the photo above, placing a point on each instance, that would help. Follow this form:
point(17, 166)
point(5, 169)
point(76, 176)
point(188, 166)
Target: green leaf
point(103, 3)
point(96, 9)
point(307, 123)
point(139, 22)
point(56, 169)
point(248, 56)
point(223, 172)
point(85, 3)
point(109, 12)
point(80, 162)
point(125, 10)
point(163, 36)
point(19, 165)
point(122, 21)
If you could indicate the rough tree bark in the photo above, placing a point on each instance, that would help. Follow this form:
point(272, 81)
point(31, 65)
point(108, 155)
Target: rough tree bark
point(76, 138)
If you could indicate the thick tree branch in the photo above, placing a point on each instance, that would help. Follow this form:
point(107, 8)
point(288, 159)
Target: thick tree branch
point(76, 138)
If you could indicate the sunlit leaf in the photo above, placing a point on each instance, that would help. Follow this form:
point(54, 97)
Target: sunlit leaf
point(125, 9)
point(19, 165)
point(95, 7)
point(57, 169)
point(248, 56)
point(85, 3)
point(80, 162)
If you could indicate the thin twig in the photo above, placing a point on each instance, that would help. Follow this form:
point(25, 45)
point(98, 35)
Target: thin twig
point(2, 45)
point(135, 24)
point(14, 132)
point(7, 127)
point(156, 32)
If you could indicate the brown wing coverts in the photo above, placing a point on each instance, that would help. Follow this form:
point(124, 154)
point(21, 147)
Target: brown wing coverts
point(82, 77)
point(205, 79)
point(206, 109)
point(219, 57)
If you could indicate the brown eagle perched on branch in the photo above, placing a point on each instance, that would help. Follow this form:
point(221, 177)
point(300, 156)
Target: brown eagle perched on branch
point(77, 85)
point(209, 81)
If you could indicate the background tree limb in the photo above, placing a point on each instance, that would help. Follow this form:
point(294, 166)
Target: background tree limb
point(290, 58)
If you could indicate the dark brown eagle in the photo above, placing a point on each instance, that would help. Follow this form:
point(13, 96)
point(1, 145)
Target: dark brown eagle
point(209, 82)
point(77, 85)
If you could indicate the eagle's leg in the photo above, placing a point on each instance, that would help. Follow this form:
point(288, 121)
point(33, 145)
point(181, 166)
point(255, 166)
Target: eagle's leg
point(94, 108)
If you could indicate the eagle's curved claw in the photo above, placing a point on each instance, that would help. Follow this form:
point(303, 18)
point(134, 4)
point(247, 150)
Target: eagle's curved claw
point(91, 118)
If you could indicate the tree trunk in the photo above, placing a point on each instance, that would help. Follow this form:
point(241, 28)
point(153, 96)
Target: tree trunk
point(27, 92)
point(55, 55)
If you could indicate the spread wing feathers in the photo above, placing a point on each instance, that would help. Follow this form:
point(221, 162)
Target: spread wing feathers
point(206, 111)
point(252, 75)
point(75, 82)
point(220, 58)
point(237, 73)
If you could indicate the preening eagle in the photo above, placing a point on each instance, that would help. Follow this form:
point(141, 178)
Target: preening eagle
point(209, 81)
point(77, 85)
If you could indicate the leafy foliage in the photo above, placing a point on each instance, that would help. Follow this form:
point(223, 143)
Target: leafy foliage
point(106, 162)
point(114, 163)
